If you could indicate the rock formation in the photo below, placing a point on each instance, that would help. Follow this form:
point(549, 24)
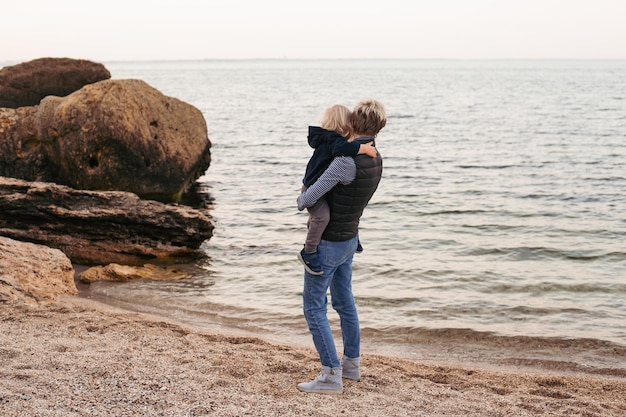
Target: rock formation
point(100, 227)
point(27, 83)
point(122, 273)
point(30, 273)
point(88, 157)
point(112, 135)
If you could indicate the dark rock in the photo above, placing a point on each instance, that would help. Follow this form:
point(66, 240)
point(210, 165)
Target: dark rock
point(100, 227)
point(111, 135)
point(27, 83)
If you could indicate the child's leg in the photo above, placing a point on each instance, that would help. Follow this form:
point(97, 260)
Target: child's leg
point(319, 216)
point(359, 247)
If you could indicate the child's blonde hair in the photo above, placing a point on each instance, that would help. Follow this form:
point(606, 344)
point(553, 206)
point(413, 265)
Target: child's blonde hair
point(336, 118)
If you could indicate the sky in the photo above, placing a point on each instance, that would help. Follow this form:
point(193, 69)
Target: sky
point(121, 30)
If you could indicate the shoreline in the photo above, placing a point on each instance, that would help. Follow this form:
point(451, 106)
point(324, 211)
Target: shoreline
point(76, 357)
point(447, 346)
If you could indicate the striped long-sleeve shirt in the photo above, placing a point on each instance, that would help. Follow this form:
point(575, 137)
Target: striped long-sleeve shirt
point(341, 170)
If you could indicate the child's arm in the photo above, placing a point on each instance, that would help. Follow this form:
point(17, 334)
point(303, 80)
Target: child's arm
point(368, 149)
point(341, 147)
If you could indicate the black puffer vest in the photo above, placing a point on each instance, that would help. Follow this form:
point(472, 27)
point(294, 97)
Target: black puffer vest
point(347, 202)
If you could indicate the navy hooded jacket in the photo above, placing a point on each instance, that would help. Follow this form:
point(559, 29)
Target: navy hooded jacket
point(327, 144)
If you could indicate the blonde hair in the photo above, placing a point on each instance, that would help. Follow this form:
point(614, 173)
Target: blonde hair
point(368, 117)
point(337, 118)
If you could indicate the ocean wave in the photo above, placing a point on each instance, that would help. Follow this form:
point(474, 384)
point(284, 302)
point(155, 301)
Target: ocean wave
point(525, 253)
point(553, 287)
point(452, 212)
point(486, 166)
point(458, 335)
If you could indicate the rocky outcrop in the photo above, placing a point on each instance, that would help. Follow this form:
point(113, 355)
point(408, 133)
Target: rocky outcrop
point(123, 273)
point(112, 135)
point(100, 227)
point(31, 273)
point(27, 83)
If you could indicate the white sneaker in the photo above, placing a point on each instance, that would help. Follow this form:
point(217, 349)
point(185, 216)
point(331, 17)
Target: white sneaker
point(327, 382)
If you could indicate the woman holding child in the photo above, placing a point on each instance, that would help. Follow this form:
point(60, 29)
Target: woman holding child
point(340, 180)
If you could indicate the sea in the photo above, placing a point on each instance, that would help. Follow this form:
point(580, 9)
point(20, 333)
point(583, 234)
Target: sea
point(501, 212)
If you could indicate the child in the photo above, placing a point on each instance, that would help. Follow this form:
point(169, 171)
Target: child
point(329, 141)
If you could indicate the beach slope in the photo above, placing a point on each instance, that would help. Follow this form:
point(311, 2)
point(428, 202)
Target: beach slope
point(77, 357)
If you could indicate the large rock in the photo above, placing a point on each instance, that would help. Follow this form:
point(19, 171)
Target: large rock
point(111, 135)
point(27, 83)
point(30, 272)
point(100, 227)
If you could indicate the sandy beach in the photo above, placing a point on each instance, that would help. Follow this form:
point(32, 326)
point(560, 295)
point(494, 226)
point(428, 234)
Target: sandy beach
point(77, 357)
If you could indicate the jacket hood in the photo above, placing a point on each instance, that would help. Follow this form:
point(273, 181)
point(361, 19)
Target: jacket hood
point(318, 136)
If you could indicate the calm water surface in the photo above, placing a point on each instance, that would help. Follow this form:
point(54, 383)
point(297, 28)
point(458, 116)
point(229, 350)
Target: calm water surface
point(502, 208)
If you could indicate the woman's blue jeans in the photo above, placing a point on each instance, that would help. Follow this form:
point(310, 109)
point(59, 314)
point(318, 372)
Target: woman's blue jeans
point(336, 260)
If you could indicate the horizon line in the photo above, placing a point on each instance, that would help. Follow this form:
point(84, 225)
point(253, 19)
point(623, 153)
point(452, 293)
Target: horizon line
point(16, 61)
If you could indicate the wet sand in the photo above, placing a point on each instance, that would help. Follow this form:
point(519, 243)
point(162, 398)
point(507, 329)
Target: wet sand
point(78, 357)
